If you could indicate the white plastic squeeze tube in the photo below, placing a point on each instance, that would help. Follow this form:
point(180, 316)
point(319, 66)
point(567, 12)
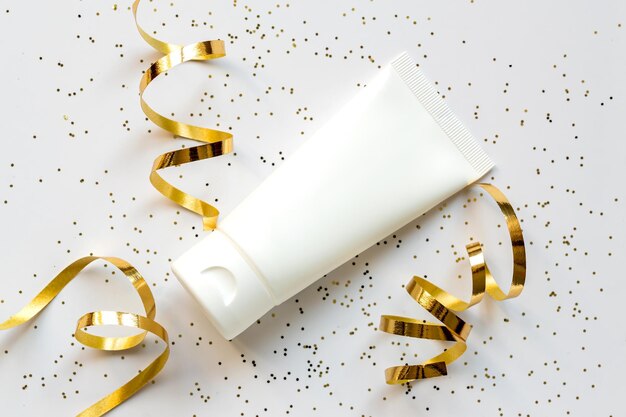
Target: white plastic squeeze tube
point(388, 156)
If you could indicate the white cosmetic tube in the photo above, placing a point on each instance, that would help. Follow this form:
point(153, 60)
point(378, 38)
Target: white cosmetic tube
point(389, 155)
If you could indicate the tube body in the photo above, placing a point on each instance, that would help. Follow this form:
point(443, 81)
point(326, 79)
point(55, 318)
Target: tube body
point(389, 155)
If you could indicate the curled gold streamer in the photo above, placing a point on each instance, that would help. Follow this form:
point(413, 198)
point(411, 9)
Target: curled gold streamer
point(215, 142)
point(442, 304)
point(102, 318)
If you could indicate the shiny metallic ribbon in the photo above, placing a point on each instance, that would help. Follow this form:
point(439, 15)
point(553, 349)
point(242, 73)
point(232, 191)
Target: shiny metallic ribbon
point(103, 318)
point(215, 142)
point(442, 304)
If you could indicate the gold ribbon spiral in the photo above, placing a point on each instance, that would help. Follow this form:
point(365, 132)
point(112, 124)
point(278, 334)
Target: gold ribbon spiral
point(102, 318)
point(442, 304)
point(215, 142)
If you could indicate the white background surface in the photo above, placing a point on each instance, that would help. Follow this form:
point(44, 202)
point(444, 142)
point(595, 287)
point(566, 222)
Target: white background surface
point(73, 181)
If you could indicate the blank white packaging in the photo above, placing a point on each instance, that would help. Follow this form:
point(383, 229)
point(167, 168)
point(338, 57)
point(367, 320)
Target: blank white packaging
point(389, 155)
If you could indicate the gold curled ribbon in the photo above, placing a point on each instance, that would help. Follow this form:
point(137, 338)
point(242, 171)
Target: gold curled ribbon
point(215, 142)
point(102, 318)
point(442, 304)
